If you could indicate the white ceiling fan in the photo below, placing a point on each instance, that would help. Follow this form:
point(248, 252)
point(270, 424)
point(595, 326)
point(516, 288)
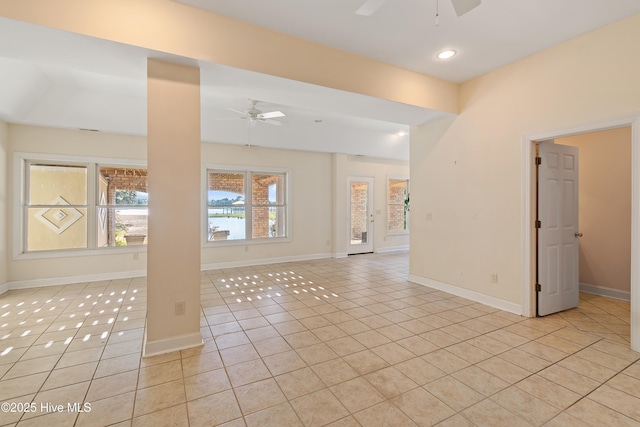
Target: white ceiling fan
point(253, 115)
point(461, 6)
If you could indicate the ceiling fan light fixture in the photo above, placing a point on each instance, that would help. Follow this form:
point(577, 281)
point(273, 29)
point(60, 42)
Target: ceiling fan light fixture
point(254, 115)
point(447, 54)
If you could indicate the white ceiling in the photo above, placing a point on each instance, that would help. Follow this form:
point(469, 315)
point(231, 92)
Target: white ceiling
point(403, 32)
point(54, 78)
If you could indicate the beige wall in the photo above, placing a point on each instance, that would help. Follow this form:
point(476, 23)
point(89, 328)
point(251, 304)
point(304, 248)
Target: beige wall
point(4, 202)
point(605, 207)
point(36, 139)
point(168, 26)
point(312, 176)
point(469, 168)
point(32, 139)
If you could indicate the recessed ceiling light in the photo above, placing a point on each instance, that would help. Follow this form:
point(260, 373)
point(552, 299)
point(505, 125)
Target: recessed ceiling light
point(446, 54)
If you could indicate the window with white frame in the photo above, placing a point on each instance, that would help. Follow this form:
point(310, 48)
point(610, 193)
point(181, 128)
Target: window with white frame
point(246, 205)
point(74, 205)
point(398, 205)
point(57, 207)
point(122, 206)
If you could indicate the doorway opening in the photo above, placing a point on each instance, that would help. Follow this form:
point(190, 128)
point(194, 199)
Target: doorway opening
point(360, 215)
point(529, 215)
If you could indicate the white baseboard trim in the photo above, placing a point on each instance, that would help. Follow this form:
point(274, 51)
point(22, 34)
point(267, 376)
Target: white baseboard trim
point(167, 345)
point(392, 249)
point(67, 280)
point(468, 294)
point(337, 255)
point(263, 261)
point(605, 292)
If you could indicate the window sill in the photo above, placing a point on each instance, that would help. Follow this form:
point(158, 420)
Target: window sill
point(71, 253)
point(246, 242)
point(118, 250)
point(398, 233)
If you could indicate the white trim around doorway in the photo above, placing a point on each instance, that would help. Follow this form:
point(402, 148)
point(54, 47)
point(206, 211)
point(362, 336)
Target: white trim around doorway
point(527, 158)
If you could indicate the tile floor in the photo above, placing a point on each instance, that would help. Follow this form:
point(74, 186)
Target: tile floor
point(330, 342)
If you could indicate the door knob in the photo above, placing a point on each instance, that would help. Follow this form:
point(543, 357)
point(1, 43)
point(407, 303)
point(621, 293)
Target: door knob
point(578, 234)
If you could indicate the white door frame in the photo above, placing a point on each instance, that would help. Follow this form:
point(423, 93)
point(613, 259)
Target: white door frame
point(528, 215)
point(371, 206)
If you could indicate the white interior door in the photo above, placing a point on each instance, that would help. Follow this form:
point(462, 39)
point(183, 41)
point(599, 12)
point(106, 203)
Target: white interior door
point(558, 273)
point(360, 215)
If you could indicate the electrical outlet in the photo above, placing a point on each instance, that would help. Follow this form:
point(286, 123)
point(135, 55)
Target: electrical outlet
point(494, 278)
point(135, 256)
point(180, 308)
point(429, 216)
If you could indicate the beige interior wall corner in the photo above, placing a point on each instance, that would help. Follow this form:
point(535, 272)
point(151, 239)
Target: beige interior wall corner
point(4, 204)
point(470, 168)
point(171, 27)
point(173, 251)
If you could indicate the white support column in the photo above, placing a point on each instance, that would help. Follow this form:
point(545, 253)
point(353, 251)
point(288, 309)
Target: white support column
point(173, 253)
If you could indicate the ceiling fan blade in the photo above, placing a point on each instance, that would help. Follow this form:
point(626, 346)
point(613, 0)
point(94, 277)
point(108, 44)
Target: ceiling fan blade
point(464, 6)
point(370, 7)
point(242, 113)
point(272, 122)
point(271, 115)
